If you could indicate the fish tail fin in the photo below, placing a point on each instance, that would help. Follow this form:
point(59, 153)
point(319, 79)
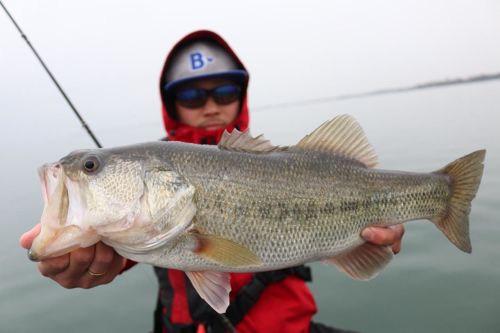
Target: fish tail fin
point(465, 176)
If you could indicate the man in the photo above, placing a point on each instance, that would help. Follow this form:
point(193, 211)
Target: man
point(203, 88)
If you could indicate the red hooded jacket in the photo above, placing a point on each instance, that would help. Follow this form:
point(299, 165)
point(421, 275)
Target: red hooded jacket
point(284, 306)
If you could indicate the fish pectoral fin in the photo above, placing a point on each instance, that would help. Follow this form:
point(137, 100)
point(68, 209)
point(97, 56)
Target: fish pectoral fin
point(342, 135)
point(213, 287)
point(363, 262)
point(224, 251)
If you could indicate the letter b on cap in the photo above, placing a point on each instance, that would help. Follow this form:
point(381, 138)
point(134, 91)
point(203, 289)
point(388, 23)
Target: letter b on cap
point(196, 60)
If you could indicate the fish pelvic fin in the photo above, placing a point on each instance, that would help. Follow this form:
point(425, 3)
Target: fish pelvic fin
point(213, 287)
point(224, 251)
point(363, 262)
point(342, 135)
point(465, 176)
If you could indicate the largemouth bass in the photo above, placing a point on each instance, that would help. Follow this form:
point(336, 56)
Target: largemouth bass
point(246, 205)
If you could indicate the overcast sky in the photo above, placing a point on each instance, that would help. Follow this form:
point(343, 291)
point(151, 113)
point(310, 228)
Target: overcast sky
point(108, 54)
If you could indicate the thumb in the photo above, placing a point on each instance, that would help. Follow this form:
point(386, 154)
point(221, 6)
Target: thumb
point(27, 238)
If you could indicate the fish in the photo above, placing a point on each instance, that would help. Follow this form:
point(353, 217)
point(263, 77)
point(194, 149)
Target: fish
point(247, 205)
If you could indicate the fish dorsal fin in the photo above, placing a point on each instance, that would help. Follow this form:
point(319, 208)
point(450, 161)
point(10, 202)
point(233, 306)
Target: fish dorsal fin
point(341, 135)
point(244, 142)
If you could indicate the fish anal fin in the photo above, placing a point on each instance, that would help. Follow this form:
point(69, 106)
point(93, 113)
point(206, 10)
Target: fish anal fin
point(244, 142)
point(363, 262)
point(213, 287)
point(341, 135)
point(225, 252)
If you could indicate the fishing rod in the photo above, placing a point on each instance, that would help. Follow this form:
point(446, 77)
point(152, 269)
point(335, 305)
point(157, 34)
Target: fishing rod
point(23, 35)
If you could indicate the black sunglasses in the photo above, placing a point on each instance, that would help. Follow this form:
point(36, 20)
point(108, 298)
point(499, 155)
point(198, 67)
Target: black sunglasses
point(193, 98)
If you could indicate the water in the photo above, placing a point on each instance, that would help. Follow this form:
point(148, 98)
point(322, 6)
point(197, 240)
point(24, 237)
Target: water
point(429, 287)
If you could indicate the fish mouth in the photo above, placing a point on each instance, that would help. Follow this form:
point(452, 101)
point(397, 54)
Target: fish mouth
point(59, 233)
point(54, 193)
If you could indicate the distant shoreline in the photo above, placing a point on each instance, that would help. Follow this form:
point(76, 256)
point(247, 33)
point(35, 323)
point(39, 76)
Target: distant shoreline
point(426, 85)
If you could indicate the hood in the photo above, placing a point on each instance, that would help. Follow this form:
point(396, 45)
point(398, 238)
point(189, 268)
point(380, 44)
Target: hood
point(180, 132)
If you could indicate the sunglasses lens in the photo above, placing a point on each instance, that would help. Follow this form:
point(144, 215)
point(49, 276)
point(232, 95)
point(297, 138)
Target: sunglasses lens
point(191, 98)
point(226, 94)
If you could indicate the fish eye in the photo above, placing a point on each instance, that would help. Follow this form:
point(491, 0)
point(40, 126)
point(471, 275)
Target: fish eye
point(91, 164)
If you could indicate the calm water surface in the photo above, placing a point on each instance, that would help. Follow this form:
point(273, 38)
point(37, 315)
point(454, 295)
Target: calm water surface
point(429, 287)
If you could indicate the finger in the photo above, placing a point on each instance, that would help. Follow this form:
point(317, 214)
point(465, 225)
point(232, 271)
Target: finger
point(105, 267)
point(103, 260)
point(399, 230)
point(72, 270)
point(396, 247)
point(80, 261)
point(76, 271)
point(383, 236)
point(27, 238)
point(54, 266)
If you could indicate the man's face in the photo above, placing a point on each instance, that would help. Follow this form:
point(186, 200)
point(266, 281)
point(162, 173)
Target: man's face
point(211, 115)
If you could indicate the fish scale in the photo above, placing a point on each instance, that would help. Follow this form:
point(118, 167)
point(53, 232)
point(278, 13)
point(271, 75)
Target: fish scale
point(243, 200)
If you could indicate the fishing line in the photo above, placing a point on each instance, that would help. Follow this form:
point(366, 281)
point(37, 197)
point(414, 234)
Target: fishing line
point(23, 35)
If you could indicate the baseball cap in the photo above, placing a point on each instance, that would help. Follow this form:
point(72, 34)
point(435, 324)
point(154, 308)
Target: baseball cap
point(200, 60)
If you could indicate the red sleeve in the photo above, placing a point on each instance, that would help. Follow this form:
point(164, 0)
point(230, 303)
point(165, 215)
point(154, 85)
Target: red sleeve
point(128, 264)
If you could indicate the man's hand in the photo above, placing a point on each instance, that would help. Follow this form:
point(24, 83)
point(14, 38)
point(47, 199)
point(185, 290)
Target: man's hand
point(385, 236)
point(82, 268)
